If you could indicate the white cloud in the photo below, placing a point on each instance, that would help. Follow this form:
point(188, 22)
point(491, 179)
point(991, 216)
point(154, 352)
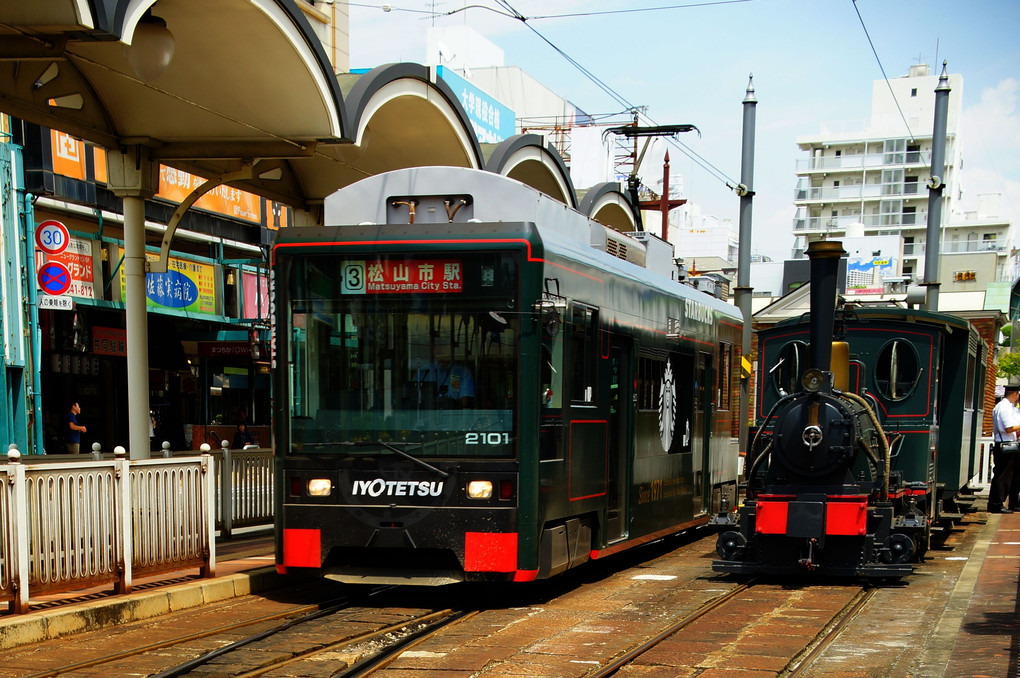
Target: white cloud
point(990, 132)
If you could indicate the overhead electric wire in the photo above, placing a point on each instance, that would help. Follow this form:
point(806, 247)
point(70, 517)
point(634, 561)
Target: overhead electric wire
point(636, 10)
point(619, 98)
point(882, 68)
point(390, 8)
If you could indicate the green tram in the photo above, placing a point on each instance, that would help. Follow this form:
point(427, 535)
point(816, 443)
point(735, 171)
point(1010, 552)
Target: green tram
point(923, 375)
point(479, 393)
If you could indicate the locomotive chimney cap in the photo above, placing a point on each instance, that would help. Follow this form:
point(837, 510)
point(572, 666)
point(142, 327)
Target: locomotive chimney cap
point(825, 249)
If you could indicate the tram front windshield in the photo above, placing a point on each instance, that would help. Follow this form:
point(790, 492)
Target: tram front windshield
point(373, 369)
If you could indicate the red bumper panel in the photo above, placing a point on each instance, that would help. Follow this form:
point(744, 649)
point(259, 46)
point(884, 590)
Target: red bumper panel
point(490, 552)
point(302, 548)
point(847, 518)
point(771, 518)
point(841, 518)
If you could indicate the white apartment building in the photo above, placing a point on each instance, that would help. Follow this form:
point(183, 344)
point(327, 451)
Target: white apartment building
point(871, 179)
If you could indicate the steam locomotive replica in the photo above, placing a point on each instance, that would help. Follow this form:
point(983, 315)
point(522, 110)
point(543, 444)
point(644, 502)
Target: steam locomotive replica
point(867, 424)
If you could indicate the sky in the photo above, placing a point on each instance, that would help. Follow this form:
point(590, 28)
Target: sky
point(690, 61)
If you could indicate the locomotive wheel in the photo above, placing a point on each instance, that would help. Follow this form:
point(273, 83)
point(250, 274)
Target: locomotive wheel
point(730, 545)
point(898, 548)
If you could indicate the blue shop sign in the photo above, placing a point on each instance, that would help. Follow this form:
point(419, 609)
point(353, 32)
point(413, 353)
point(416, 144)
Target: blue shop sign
point(492, 121)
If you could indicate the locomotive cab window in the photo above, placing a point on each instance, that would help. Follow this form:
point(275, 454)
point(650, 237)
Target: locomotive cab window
point(897, 370)
point(791, 363)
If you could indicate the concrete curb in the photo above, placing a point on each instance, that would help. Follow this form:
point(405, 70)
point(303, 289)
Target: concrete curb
point(99, 614)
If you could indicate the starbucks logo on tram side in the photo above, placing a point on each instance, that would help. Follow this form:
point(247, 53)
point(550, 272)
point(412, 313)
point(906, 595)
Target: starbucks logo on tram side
point(667, 408)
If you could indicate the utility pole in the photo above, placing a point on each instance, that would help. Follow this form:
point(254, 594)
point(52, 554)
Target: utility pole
point(742, 293)
point(936, 184)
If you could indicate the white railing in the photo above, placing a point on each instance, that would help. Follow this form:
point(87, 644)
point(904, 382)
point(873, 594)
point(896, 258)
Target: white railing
point(72, 524)
point(983, 478)
point(244, 486)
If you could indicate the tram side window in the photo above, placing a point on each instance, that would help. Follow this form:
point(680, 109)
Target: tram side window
point(649, 382)
point(584, 351)
point(725, 365)
point(552, 371)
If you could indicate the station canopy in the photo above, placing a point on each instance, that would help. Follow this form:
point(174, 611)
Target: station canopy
point(248, 82)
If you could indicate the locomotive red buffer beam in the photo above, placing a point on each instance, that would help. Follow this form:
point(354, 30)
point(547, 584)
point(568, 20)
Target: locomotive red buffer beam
point(835, 535)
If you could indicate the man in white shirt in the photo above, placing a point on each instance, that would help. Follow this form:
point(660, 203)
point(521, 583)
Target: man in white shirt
point(1006, 423)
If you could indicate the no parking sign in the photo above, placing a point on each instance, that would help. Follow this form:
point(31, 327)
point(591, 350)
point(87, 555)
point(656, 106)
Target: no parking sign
point(54, 278)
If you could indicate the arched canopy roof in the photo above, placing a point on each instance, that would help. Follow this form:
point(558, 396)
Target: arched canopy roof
point(530, 160)
point(608, 205)
point(63, 65)
point(70, 71)
point(401, 116)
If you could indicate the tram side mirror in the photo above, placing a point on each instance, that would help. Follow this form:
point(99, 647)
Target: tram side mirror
point(551, 323)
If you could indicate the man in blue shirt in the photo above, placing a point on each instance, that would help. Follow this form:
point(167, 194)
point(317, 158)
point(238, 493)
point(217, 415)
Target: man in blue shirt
point(72, 434)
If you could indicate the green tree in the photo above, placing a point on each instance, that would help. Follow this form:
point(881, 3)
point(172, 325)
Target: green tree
point(1009, 365)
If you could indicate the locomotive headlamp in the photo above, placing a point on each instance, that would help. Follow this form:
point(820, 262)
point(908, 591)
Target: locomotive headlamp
point(319, 487)
point(812, 380)
point(479, 489)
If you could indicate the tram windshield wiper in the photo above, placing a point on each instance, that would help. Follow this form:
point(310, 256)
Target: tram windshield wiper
point(394, 448)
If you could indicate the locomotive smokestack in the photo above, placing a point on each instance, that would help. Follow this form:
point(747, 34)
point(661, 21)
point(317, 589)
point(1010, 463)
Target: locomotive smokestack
point(824, 256)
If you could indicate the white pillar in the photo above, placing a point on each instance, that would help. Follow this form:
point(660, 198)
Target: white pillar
point(133, 177)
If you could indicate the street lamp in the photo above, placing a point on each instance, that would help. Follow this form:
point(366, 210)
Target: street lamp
point(151, 48)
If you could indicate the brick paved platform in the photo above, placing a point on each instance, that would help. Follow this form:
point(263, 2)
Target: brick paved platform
point(977, 635)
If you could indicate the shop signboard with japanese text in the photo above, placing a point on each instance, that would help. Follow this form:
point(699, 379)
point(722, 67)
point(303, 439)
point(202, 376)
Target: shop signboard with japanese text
point(491, 120)
point(187, 285)
point(77, 259)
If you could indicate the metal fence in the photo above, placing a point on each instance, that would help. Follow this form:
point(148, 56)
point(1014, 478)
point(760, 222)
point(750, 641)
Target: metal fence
point(244, 486)
point(67, 524)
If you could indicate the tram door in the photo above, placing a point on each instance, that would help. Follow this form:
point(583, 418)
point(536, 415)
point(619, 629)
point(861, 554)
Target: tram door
point(701, 433)
point(620, 404)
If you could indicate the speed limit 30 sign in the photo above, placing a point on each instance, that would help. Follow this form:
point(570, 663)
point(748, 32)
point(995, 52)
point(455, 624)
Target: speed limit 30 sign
point(52, 237)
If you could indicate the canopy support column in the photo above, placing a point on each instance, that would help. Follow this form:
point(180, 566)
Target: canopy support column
point(134, 177)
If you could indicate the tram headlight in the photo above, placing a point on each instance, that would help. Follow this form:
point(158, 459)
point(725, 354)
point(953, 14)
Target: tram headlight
point(319, 487)
point(479, 489)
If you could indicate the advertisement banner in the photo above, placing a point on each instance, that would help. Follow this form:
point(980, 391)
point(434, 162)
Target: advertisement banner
point(256, 300)
point(187, 285)
point(68, 155)
point(492, 121)
point(175, 185)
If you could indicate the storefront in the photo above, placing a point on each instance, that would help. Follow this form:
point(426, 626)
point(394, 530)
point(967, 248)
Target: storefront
point(207, 316)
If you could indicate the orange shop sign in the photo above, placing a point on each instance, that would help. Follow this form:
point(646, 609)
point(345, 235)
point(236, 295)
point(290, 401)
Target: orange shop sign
point(175, 186)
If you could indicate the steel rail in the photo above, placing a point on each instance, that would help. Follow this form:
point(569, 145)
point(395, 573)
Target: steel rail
point(830, 633)
point(209, 656)
point(433, 620)
point(307, 610)
point(629, 656)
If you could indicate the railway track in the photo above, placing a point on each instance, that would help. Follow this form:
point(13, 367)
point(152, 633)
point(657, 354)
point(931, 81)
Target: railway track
point(300, 614)
point(797, 665)
point(345, 655)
